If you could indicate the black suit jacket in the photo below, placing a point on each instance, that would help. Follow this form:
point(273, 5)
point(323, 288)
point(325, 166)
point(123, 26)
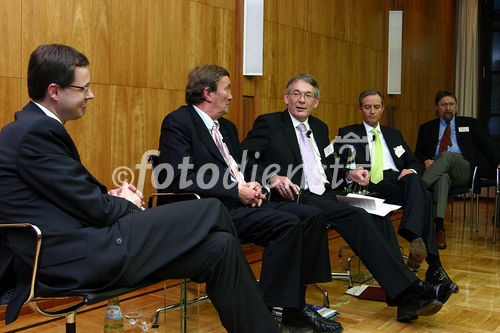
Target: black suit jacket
point(393, 139)
point(185, 139)
point(272, 140)
point(44, 183)
point(475, 144)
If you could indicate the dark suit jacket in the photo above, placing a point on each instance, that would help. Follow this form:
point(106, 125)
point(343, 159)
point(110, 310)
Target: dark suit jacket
point(392, 137)
point(475, 144)
point(273, 137)
point(184, 136)
point(44, 183)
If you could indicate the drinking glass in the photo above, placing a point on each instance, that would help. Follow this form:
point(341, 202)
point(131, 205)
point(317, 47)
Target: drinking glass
point(132, 314)
point(146, 323)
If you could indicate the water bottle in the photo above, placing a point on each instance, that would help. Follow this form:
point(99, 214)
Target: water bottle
point(113, 321)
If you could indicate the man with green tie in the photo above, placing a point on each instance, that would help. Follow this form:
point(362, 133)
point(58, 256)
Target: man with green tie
point(394, 176)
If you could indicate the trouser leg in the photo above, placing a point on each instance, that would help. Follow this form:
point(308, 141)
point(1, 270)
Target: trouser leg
point(441, 188)
point(383, 259)
point(280, 234)
point(230, 284)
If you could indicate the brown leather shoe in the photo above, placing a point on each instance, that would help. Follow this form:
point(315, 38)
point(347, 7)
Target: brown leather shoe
point(418, 252)
point(441, 239)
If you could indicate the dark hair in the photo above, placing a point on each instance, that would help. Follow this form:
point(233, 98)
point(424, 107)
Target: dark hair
point(304, 77)
point(443, 93)
point(53, 63)
point(200, 78)
point(370, 93)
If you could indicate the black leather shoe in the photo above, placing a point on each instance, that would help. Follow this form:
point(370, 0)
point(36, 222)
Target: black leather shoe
point(440, 291)
point(437, 276)
point(417, 305)
point(309, 317)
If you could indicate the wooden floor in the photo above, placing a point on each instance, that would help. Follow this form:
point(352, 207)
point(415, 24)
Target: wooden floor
point(474, 265)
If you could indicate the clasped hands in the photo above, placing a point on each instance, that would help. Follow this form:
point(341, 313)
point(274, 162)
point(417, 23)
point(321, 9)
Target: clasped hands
point(251, 194)
point(129, 192)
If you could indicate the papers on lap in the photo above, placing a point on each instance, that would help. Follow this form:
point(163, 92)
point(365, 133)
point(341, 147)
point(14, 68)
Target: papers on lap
point(372, 205)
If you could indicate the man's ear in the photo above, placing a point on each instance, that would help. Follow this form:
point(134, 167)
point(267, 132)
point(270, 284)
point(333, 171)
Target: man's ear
point(53, 91)
point(207, 94)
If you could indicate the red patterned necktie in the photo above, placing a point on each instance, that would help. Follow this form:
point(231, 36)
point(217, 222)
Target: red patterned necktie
point(233, 168)
point(445, 139)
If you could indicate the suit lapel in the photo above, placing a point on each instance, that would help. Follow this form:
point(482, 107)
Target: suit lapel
point(205, 135)
point(321, 142)
point(390, 141)
point(230, 142)
point(362, 156)
point(290, 136)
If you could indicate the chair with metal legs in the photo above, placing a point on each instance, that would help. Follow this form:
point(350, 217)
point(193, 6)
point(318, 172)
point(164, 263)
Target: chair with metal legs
point(15, 232)
point(471, 189)
point(497, 208)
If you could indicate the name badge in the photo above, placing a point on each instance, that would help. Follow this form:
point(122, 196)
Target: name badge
point(463, 129)
point(399, 150)
point(328, 150)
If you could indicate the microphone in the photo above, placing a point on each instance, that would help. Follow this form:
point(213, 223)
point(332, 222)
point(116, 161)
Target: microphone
point(308, 133)
point(373, 138)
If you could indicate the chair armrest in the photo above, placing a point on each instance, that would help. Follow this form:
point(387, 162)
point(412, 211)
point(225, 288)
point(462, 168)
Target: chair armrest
point(37, 238)
point(156, 199)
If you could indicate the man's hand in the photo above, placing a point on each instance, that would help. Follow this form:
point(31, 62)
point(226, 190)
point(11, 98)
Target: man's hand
point(251, 194)
point(428, 163)
point(360, 176)
point(129, 192)
point(284, 186)
point(405, 172)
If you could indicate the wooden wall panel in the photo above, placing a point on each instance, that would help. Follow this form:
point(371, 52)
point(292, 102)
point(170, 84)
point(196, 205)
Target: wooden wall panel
point(10, 26)
point(82, 24)
point(10, 97)
point(142, 50)
point(343, 44)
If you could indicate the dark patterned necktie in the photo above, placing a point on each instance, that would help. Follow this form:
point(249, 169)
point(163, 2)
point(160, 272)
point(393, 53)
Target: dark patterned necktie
point(445, 139)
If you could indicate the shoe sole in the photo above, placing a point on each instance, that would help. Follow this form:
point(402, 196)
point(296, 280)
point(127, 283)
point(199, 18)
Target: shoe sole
point(414, 262)
point(301, 326)
point(418, 252)
point(430, 309)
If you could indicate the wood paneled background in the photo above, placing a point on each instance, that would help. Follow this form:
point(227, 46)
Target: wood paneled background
point(142, 50)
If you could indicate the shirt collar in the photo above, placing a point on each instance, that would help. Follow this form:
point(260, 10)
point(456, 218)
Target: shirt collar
point(443, 122)
point(296, 123)
point(209, 122)
point(48, 112)
point(368, 128)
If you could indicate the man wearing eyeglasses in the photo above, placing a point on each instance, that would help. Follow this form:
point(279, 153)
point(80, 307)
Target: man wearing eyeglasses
point(95, 239)
point(296, 146)
point(450, 147)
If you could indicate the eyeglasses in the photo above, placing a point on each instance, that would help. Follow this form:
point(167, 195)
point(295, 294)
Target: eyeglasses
point(450, 104)
point(308, 96)
point(84, 90)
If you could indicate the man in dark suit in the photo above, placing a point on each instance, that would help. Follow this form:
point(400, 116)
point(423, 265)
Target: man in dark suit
point(394, 177)
point(94, 239)
point(449, 162)
point(204, 152)
point(282, 143)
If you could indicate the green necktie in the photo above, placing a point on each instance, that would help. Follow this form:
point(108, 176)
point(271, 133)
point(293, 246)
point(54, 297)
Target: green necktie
point(377, 170)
